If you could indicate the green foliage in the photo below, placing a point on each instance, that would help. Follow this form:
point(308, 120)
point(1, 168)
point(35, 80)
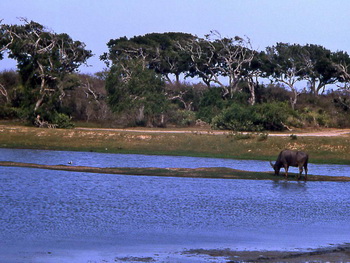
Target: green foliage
point(140, 94)
point(44, 60)
point(315, 117)
point(272, 116)
point(62, 121)
point(238, 117)
point(8, 113)
point(160, 51)
point(272, 93)
point(183, 118)
point(134, 84)
point(210, 105)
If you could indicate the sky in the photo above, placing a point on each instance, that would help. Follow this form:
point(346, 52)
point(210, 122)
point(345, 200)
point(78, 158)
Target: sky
point(265, 22)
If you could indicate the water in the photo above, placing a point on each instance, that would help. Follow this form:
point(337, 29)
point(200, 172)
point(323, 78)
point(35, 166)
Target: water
point(46, 212)
point(59, 216)
point(138, 160)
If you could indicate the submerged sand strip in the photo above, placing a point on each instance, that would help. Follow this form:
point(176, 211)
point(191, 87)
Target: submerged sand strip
point(217, 172)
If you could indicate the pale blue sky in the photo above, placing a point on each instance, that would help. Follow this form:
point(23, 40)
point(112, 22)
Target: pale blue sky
point(265, 22)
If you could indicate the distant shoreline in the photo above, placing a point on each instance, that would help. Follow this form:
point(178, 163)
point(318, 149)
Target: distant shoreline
point(327, 146)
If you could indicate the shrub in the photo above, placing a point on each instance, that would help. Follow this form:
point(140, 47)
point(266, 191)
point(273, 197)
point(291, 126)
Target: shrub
point(236, 118)
point(268, 116)
point(183, 118)
point(272, 116)
point(8, 112)
point(62, 121)
point(314, 117)
point(210, 105)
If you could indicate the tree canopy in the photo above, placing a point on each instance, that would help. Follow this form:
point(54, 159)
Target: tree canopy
point(145, 82)
point(44, 60)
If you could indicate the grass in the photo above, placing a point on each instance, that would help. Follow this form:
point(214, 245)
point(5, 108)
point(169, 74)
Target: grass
point(320, 149)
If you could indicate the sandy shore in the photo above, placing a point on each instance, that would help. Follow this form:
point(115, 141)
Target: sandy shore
point(339, 253)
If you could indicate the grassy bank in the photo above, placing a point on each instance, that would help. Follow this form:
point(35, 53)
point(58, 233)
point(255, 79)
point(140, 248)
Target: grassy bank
point(206, 144)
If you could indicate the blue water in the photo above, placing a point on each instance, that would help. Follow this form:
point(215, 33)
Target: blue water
point(59, 216)
point(138, 160)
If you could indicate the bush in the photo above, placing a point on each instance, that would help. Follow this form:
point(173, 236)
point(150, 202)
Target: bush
point(210, 105)
point(316, 118)
point(267, 116)
point(273, 116)
point(236, 118)
point(8, 112)
point(62, 121)
point(182, 117)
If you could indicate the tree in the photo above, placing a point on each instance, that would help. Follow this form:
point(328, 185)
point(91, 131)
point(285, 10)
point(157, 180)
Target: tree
point(6, 38)
point(319, 69)
point(45, 60)
point(284, 64)
point(341, 63)
point(157, 51)
point(138, 92)
point(216, 57)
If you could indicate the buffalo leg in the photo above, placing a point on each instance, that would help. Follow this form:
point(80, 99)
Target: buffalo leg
point(305, 168)
point(286, 172)
point(300, 172)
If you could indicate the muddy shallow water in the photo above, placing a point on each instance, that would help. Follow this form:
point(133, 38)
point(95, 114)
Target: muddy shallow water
point(58, 216)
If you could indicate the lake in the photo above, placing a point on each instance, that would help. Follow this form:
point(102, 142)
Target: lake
point(59, 216)
point(139, 160)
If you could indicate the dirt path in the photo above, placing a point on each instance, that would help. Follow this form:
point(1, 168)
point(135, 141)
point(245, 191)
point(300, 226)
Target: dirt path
point(320, 133)
point(331, 132)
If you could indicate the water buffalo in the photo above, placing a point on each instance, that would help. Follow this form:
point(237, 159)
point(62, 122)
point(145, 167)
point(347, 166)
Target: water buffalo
point(288, 158)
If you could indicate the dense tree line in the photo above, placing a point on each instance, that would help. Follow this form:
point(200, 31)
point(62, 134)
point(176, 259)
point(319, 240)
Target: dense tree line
point(146, 81)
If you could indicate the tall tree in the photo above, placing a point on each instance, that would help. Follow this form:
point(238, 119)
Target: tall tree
point(215, 58)
point(157, 51)
point(341, 63)
point(319, 69)
point(284, 64)
point(45, 60)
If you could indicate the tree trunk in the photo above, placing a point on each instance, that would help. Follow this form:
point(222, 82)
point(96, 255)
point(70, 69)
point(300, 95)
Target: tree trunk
point(293, 100)
point(39, 102)
point(251, 86)
point(140, 117)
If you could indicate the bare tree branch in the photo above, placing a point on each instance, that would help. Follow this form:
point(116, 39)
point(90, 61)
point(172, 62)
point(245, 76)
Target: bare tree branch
point(216, 58)
point(3, 92)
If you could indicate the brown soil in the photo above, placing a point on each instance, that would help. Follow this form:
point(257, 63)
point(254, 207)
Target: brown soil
point(217, 172)
point(339, 253)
